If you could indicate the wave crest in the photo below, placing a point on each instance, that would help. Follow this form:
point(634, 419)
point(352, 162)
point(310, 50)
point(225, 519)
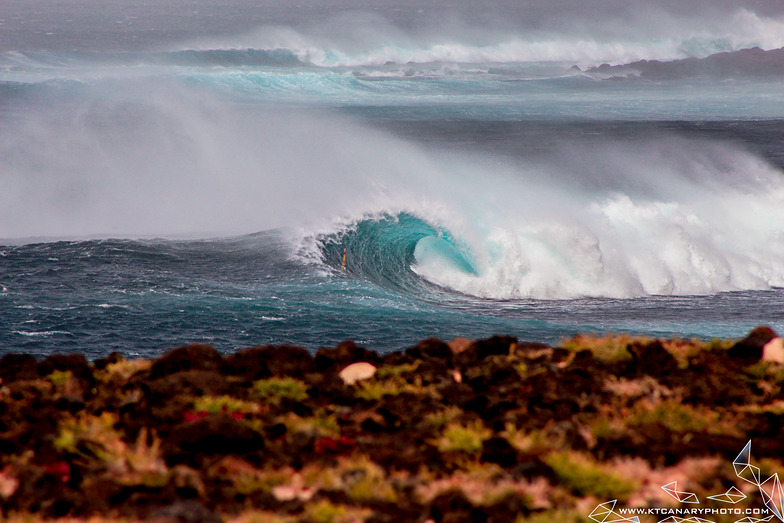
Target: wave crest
point(664, 226)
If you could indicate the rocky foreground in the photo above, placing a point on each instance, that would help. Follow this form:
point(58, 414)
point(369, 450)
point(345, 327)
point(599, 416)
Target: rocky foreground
point(487, 431)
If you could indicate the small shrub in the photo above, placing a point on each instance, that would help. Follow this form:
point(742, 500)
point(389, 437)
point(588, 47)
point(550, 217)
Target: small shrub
point(59, 378)
point(375, 389)
point(571, 516)
point(464, 438)
point(94, 438)
point(681, 418)
point(122, 370)
point(586, 477)
point(225, 404)
point(608, 347)
point(320, 425)
point(324, 512)
point(438, 420)
point(273, 390)
point(393, 371)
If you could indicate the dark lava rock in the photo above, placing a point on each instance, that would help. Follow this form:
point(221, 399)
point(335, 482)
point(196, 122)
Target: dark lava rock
point(506, 509)
point(430, 348)
point(102, 363)
point(344, 354)
point(481, 349)
point(18, 367)
point(214, 435)
point(263, 362)
point(190, 357)
point(187, 512)
point(750, 347)
point(457, 393)
point(714, 379)
point(76, 364)
point(452, 506)
point(530, 466)
point(191, 382)
point(495, 346)
point(499, 451)
point(69, 403)
point(397, 358)
point(652, 359)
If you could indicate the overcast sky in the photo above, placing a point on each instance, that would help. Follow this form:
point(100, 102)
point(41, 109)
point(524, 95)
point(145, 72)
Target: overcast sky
point(137, 24)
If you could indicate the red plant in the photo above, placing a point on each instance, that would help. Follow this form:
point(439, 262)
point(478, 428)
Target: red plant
point(59, 469)
point(195, 416)
point(341, 446)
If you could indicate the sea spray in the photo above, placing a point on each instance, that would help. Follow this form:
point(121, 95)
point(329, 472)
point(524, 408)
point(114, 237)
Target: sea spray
point(670, 218)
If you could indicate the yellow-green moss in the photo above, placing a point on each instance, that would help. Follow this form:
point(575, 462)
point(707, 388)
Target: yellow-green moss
point(468, 438)
point(273, 390)
point(585, 476)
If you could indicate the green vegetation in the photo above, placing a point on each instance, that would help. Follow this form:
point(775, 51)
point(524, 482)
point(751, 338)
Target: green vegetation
point(467, 438)
point(273, 390)
point(375, 389)
point(224, 404)
point(608, 348)
point(59, 378)
point(585, 476)
point(681, 418)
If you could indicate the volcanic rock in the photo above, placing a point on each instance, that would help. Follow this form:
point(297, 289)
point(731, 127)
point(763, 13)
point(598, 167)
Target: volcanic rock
point(750, 347)
point(18, 367)
point(190, 357)
point(344, 354)
point(273, 360)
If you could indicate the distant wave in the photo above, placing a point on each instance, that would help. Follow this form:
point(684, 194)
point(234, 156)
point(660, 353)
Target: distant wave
point(368, 41)
point(584, 52)
point(188, 57)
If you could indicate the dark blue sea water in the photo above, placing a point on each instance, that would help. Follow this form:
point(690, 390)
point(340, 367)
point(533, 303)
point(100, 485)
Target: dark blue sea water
point(175, 173)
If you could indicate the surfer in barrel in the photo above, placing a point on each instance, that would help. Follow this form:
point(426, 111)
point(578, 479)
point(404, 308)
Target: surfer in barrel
point(344, 259)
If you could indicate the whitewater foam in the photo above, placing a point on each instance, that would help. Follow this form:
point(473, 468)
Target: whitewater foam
point(591, 218)
point(671, 218)
point(362, 39)
point(43, 333)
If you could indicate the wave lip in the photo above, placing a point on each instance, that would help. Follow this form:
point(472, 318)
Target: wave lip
point(387, 249)
point(672, 220)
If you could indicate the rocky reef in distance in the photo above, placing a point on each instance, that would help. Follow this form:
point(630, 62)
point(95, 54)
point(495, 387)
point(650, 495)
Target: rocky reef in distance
point(745, 63)
point(493, 430)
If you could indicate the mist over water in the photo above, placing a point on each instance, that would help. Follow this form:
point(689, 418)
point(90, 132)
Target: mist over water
point(654, 214)
point(478, 181)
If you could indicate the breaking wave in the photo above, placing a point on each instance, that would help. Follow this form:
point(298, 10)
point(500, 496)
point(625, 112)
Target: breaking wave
point(668, 221)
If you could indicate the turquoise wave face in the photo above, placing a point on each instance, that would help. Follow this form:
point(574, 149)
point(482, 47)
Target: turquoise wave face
point(384, 251)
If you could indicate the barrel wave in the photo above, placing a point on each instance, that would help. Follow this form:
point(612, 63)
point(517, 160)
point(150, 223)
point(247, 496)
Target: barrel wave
point(485, 172)
point(386, 250)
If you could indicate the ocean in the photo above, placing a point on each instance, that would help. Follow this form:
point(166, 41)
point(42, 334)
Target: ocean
point(192, 172)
